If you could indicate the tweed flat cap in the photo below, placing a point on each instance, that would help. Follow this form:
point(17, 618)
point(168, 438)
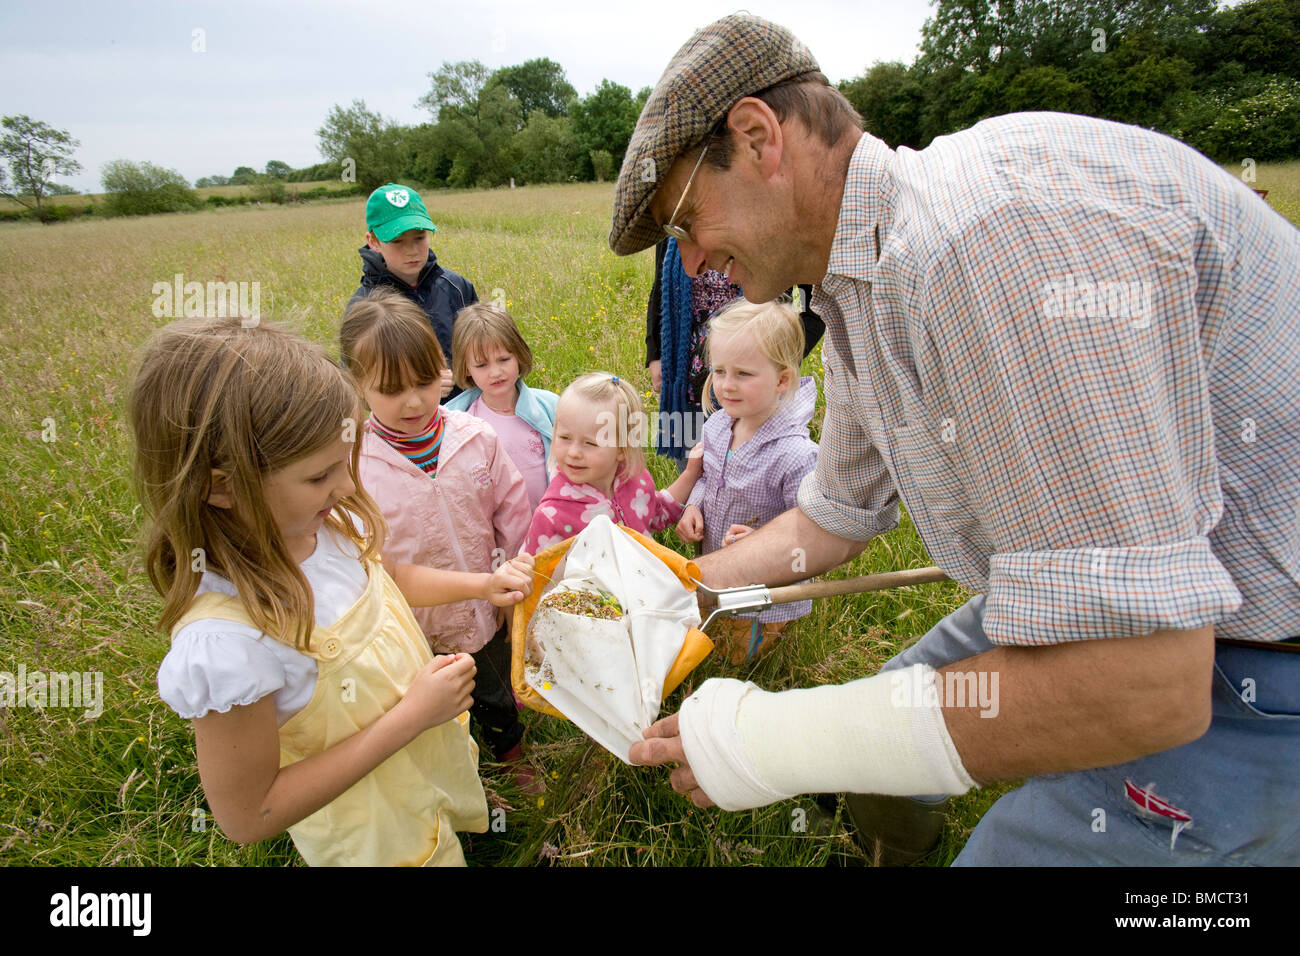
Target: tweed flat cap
point(721, 64)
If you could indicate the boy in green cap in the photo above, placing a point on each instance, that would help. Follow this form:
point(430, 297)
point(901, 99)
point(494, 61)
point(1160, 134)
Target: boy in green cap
point(397, 254)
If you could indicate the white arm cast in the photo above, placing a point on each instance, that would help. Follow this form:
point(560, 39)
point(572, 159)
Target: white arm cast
point(748, 747)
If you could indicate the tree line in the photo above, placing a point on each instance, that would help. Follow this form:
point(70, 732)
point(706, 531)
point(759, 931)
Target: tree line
point(1225, 81)
point(522, 123)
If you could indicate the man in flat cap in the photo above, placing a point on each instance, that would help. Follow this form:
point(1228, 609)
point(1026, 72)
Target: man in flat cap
point(1072, 349)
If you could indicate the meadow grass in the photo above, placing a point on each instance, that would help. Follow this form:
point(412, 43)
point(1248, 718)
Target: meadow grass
point(1281, 180)
point(122, 788)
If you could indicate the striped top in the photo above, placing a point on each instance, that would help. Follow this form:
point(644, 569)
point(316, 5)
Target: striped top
point(422, 450)
point(1072, 349)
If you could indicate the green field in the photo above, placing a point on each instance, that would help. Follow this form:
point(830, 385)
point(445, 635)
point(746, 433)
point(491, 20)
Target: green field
point(122, 788)
point(80, 200)
point(1282, 181)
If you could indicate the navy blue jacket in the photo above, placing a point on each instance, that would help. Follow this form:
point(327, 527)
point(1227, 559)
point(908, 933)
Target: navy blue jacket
point(440, 292)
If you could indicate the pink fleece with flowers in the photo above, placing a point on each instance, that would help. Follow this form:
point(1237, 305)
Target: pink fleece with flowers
point(567, 508)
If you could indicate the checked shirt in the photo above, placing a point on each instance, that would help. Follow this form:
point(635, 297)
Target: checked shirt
point(1072, 349)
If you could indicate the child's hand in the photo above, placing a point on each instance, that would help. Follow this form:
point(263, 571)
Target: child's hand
point(691, 525)
point(512, 582)
point(735, 533)
point(440, 691)
point(447, 382)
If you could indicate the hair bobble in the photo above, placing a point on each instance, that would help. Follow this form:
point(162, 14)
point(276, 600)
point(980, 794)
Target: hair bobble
point(613, 379)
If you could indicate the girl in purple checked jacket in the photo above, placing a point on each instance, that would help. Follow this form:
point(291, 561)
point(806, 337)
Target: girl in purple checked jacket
point(756, 446)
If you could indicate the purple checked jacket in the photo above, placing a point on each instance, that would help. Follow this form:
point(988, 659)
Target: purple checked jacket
point(761, 478)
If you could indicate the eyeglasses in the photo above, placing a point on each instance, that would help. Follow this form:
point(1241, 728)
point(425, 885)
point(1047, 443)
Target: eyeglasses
point(677, 232)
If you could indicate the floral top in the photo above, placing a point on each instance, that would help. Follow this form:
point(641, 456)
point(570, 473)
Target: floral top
point(566, 509)
point(709, 293)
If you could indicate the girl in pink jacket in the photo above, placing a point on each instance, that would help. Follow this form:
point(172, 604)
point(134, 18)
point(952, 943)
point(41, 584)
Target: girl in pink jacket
point(451, 495)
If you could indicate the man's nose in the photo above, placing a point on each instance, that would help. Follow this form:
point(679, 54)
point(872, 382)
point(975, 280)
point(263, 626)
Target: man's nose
point(692, 257)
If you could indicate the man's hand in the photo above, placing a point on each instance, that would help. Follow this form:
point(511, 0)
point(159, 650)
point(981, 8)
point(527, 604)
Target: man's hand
point(663, 745)
point(447, 382)
point(656, 375)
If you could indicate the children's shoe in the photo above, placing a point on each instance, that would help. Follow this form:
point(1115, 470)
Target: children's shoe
point(743, 641)
point(525, 777)
point(762, 638)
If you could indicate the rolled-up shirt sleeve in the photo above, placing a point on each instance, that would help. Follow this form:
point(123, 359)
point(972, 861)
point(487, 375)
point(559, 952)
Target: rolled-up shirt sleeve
point(1046, 597)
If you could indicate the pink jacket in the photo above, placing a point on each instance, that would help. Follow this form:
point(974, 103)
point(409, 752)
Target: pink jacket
point(567, 509)
point(476, 503)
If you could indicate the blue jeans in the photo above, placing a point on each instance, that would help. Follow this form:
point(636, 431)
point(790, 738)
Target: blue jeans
point(1240, 782)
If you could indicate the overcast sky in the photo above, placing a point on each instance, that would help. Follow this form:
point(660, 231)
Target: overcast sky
point(125, 80)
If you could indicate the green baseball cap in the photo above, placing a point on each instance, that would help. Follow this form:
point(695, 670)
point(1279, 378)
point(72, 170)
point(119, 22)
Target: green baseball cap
point(720, 65)
point(392, 210)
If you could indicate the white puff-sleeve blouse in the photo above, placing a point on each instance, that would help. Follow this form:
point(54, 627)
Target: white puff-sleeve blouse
point(215, 664)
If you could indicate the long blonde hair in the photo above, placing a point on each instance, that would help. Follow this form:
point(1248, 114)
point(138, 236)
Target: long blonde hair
point(775, 327)
point(629, 428)
point(212, 394)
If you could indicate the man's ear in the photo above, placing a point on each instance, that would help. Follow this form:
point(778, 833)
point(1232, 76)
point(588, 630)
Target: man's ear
point(757, 133)
point(219, 492)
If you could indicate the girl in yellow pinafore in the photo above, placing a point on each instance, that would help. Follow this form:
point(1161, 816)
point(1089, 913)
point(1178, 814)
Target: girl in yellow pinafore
point(316, 704)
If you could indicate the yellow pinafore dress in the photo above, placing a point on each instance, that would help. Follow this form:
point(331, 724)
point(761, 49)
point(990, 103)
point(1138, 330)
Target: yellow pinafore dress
point(407, 810)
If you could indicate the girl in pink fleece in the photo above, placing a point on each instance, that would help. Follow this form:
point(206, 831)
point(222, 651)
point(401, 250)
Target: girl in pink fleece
point(451, 495)
point(600, 467)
